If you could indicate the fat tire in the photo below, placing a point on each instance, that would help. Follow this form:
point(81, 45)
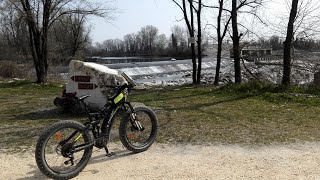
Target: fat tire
point(41, 143)
point(123, 135)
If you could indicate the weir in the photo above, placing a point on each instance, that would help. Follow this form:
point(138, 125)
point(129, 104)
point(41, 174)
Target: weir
point(164, 67)
point(117, 60)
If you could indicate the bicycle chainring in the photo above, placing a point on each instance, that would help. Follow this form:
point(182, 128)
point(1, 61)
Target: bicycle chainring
point(66, 150)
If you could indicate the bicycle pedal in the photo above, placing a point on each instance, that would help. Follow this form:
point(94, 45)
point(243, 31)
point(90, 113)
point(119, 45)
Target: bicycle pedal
point(110, 154)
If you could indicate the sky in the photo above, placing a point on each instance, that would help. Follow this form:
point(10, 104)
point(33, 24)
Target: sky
point(134, 14)
point(131, 15)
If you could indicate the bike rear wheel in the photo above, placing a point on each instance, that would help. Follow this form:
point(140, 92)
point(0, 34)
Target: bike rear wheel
point(134, 139)
point(55, 148)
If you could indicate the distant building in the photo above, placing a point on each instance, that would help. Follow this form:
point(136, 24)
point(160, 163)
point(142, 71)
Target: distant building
point(253, 51)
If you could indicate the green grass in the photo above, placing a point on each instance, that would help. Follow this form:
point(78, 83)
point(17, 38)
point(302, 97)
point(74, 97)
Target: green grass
point(248, 114)
point(239, 114)
point(25, 109)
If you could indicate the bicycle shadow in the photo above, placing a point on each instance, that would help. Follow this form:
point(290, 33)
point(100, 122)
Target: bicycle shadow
point(103, 158)
point(37, 174)
point(49, 113)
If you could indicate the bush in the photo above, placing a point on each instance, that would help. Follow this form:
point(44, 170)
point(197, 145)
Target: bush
point(258, 88)
point(9, 70)
point(252, 87)
point(313, 89)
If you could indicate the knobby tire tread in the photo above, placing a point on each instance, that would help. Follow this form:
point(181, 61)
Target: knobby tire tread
point(39, 156)
point(123, 134)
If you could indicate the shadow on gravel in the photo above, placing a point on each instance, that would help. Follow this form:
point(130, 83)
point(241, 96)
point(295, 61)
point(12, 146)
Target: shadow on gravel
point(104, 158)
point(36, 174)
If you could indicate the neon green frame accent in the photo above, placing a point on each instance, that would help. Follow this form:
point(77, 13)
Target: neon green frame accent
point(78, 138)
point(118, 98)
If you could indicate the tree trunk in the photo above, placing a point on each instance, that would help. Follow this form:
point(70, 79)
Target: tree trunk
point(38, 39)
point(236, 42)
point(221, 35)
point(217, 76)
point(288, 45)
point(190, 26)
point(193, 51)
point(199, 43)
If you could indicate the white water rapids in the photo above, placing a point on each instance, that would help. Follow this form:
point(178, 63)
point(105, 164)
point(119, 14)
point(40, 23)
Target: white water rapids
point(179, 71)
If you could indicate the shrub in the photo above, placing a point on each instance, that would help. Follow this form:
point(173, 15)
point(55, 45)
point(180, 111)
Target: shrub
point(258, 88)
point(9, 69)
point(252, 87)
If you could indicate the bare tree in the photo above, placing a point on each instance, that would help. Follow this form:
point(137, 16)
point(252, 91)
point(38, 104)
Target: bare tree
point(199, 42)
point(161, 43)
point(68, 37)
point(148, 35)
point(221, 33)
point(303, 24)
point(40, 15)
point(275, 42)
point(236, 42)
point(14, 30)
point(235, 34)
point(236, 7)
point(129, 43)
point(178, 39)
point(288, 44)
point(189, 20)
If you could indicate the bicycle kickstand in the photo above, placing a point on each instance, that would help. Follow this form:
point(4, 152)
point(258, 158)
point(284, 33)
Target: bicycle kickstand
point(108, 154)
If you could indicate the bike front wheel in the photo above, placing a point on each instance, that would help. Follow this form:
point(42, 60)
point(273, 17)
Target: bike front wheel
point(138, 139)
point(63, 150)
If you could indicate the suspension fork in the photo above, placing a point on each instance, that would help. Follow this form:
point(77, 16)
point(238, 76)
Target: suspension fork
point(133, 117)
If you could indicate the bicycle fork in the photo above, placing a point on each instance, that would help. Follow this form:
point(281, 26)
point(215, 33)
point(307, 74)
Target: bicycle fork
point(135, 122)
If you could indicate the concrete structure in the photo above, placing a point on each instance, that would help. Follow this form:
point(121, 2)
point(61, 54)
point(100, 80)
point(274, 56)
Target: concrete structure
point(116, 60)
point(94, 79)
point(253, 51)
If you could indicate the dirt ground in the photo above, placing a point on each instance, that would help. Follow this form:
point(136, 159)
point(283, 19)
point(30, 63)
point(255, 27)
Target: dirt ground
point(293, 161)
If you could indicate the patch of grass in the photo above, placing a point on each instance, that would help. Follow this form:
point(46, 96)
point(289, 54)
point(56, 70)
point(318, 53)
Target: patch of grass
point(313, 89)
point(25, 109)
point(252, 87)
point(243, 114)
point(247, 114)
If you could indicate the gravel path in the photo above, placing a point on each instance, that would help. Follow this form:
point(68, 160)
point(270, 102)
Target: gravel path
point(294, 161)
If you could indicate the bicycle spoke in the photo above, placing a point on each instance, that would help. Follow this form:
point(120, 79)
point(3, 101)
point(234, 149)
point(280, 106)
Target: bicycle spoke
point(53, 150)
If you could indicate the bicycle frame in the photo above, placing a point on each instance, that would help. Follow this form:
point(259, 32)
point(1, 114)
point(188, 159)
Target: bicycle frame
point(66, 138)
point(100, 133)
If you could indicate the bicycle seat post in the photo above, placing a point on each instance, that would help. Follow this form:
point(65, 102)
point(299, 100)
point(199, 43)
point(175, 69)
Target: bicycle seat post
point(81, 99)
